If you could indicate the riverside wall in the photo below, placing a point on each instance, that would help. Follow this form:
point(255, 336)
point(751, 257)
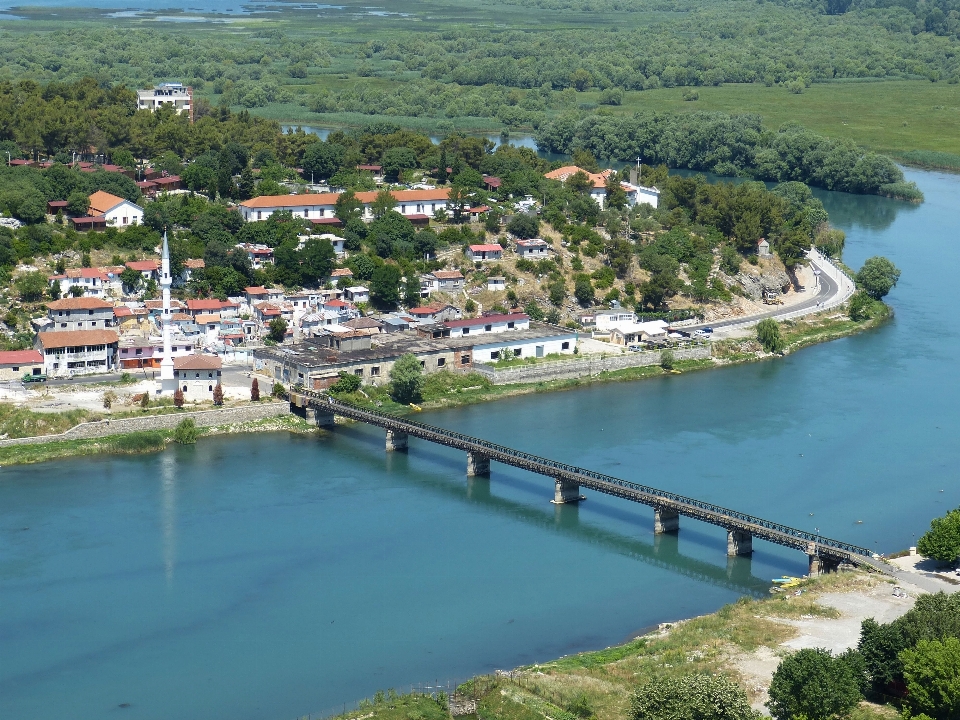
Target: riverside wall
point(121, 426)
point(568, 369)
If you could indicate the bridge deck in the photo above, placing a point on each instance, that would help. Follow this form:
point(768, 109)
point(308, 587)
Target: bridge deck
point(643, 494)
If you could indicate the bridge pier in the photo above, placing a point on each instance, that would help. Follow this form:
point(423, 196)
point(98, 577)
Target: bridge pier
point(396, 440)
point(820, 564)
point(739, 543)
point(477, 465)
point(665, 521)
point(323, 418)
point(566, 492)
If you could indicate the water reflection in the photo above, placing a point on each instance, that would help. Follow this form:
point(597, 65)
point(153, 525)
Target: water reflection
point(870, 212)
point(168, 514)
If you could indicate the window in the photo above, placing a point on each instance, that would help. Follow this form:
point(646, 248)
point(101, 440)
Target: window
point(124, 221)
point(15, 369)
point(510, 325)
point(539, 351)
point(139, 351)
point(517, 352)
point(93, 323)
point(487, 328)
point(209, 374)
point(63, 324)
point(259, 215)
point(441, 362)
point(375, 371)
point(358, 372)
point(209, 388)
point(198, 376)
point(184, 388)
point(565, 346)
point(464, 359)
point(495, 355)
point(90, 312)
point(466, 331)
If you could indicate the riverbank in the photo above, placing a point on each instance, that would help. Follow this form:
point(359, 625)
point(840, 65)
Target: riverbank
point(744, 641)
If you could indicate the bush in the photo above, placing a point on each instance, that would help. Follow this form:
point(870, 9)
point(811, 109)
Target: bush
point(178, 399)
point(768, 335)
point(860, 306)
point(346, 384)
point(524, 226)
point(279, 391)
point(144, 441)
point(145, 401)
point(703, 697)
point(814, 685)
point(667, 360)
point(186, 432)
point(255, 390)
point(218, 395)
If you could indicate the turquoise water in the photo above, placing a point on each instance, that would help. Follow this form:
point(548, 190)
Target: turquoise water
point(274, 576)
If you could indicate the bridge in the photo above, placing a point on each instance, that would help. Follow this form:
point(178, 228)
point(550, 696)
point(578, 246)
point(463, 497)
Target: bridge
point(824, 554)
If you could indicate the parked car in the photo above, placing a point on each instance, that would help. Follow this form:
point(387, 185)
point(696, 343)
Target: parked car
point(28, 378)
point(704, 332)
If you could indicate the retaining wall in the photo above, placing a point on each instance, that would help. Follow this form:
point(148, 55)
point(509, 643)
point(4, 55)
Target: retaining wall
point(120, 426)
point(567, 369)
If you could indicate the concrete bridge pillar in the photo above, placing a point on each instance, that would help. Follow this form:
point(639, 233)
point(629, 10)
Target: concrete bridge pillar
point(820, 564)
point(477, 465)
point(739, 543)
point(566, 492)
point(396, 440)
point(665, 521)
point(323, 418)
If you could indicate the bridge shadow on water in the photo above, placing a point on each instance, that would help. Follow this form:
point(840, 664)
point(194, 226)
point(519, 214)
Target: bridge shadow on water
point(568, 520)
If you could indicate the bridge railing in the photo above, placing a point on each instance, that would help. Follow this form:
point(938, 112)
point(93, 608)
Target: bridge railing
point(655, 494)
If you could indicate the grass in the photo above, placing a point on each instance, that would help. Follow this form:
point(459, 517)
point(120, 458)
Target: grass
point(600, 683)
point(18, 422)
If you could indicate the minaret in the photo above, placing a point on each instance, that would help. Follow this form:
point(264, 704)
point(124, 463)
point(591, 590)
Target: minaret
point(168, 383)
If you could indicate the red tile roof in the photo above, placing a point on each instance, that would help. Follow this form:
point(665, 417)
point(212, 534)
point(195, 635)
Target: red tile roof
point(71, 338)
point(122, 311)
point(486, 320)
point(486, 248)
point(325, 199)
point(80, 303)
point(447, 274)
point(101, 202)
point(20, 357)
point(212, 304)
point(197, 362)
point(144, 265)
point(423, 311)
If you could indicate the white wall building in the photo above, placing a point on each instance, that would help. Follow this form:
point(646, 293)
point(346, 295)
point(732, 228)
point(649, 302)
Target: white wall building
point(94, 282)
point(81, 313)
point(533, 249)
point(488, 324)
point(117, 211)
point(173, 93)
point(317, 206)
point(538, 347)
point(197, 376)
point(78, 352)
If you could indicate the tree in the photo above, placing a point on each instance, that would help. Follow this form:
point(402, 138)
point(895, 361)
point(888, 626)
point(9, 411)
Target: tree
point(383, 203)
point(768, 335)
point(406, 380)
point(667, 360)
point(255, 390)
point(385, 286)
point(186, 432)
point(692, 697)
point(347, 207)
point(31, 286)
point(278, 330)
point(813, 685)
point(411, 289)
point(932, 674)
point(218, 395)
point(316, 260)
point(942, 541)
point(322, 160)
point(877, 277)
point(131, 279)
point(583, 289)
point(178, 399)
point(524, 226)
point(145, 401)
point(78, 203)
point(278, 391)
point(109, 397)
point(398, 159)
point(859, 308)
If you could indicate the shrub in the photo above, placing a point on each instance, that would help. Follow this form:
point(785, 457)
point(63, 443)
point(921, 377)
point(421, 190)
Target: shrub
point(109, 397)
point(667, 360)
point(186, 432)
point(704, 697)
point(218, 395)
point(144, 441)
point(178, 399)
point(346, 384)
point(255, 390)
point(279, 391)
point(942, 541)
point(768, 335)
point(145, 401)
point(860, 306)
point(524, 226)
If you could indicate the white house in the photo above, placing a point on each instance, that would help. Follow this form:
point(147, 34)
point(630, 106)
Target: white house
point(335, 240)
point(414, 204)
point(488, 324)
point(496, 283)
point(259, 255)
point(607, 319)
point(637, 194)
point(533, 249)
point(150, 269)
point(629, 333)
point(357, 294)
point(177, 95)
point(549, 343)
point(483, 253)
point(763, 248)
point(78, 352)
point(197, 375)
point(448, 281)
point(14, 364)
point(93, 281)
point(116, 211)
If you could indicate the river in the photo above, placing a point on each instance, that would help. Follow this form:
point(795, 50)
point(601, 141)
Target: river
point(273, 576)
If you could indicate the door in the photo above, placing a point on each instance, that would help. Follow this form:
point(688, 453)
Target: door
point(539, 350)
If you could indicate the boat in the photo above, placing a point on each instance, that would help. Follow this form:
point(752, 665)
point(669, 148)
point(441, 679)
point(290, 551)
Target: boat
point(416, 408)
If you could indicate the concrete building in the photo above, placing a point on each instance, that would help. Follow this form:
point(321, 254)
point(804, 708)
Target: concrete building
point(636, 193)
point(487, 324)
point(136, 353)
point(525, 345)
point(630, 333)
point(81, 313)
point(413, 204)
point(175, 94)
point(484, 253)
point(357, 294)
point(197, 376)
point(533, 249)
point(763, 248)
point(448, 281)
point(149, 269)
point(78, 352)
point(14, 364)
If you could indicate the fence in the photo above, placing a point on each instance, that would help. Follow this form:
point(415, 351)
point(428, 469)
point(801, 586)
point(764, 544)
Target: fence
point(584, 367)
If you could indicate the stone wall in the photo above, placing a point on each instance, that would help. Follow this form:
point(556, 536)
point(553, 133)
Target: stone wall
point(567, 369)
point(120, 426)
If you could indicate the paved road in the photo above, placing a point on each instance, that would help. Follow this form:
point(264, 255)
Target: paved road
point(829, 288)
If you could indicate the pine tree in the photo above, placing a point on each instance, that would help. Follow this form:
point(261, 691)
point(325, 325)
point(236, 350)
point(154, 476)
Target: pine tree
point(218, 395)
point(255, 390)
point(178, 399)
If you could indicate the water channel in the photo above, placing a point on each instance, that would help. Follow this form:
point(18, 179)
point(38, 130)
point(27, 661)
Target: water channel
point(273, 576)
